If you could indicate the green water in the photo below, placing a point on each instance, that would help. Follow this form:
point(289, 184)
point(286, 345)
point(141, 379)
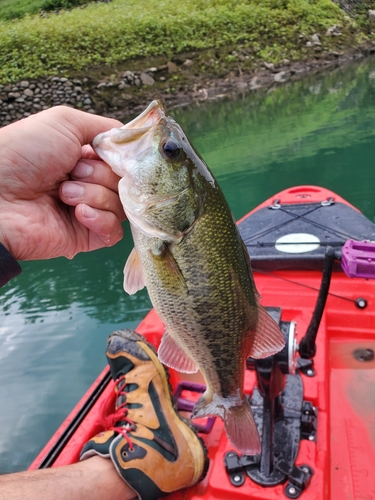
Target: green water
point(56, 316)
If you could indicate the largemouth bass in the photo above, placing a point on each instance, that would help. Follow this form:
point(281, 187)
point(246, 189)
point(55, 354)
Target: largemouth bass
point(189, 254)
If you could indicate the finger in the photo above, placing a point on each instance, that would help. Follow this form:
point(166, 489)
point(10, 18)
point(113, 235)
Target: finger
point(94, 195)
point(85, 126)
point(89, 153)
point(105, 226)
point(95, 172)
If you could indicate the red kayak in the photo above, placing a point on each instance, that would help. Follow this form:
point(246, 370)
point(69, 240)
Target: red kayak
point(313, 260)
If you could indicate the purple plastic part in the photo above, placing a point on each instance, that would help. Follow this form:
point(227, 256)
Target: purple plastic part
point(358, 259)
point(187, 405)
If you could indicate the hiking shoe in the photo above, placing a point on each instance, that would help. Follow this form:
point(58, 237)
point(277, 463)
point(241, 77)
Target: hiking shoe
point(152, 448)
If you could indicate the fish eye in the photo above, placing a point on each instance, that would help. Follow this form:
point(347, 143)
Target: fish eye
point(171, 149)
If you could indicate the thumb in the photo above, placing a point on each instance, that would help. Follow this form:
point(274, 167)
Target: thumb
point(85, 126)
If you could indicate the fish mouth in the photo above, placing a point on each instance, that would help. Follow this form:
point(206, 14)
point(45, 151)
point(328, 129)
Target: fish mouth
point(107, 145)
point(148, 118)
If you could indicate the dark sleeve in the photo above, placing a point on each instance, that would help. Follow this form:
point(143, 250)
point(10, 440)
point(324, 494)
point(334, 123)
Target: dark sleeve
point(9, 267)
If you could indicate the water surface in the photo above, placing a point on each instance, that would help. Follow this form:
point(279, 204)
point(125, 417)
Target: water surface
point(56, 316)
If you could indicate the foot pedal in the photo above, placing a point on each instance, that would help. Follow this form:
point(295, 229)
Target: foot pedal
point(358, 259)
point(185, 404)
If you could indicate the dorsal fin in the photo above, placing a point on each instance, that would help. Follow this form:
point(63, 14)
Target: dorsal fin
point(268, 338)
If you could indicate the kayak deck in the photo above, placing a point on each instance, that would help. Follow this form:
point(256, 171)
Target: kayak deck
point(341, 387)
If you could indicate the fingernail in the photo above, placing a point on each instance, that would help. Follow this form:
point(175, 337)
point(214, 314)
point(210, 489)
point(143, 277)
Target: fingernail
point(72, 190)
point(88, 212)
point(82, 170)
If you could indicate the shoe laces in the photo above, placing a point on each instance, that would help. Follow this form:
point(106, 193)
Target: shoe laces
point(119, 415)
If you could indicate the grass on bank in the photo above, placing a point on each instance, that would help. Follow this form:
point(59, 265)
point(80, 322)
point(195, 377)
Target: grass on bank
point(15, 9)
point(125, 29)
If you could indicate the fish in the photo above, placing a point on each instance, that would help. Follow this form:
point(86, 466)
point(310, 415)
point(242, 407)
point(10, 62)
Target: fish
point(189, 254)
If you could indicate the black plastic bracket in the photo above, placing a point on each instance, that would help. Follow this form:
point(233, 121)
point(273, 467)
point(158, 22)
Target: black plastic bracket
point(306, 366)
point(299, 479)
point(234, 468)
point(309, 421)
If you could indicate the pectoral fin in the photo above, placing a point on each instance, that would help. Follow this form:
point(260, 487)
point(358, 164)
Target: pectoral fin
point(169, 270)
point(171, 354)
point(133, 273)
point(268, 338)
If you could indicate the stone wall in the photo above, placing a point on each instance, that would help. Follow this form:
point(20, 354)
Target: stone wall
point(30, 96)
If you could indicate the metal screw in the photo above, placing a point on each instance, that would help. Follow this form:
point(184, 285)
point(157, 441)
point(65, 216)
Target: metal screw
point(364, 354)
point(310, 372)
point(292, 490)
point(311, 437)
point(361, 303)
point(305, 470)
point(237, 479)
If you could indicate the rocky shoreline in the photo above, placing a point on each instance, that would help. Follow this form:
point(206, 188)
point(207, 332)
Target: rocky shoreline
point(127, 92)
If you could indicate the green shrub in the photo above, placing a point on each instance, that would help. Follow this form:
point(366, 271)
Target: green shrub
point(16, 9)
point(61, 4)
point(125, 29)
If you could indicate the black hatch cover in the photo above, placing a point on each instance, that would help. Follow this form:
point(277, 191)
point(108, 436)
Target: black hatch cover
point(295, 236)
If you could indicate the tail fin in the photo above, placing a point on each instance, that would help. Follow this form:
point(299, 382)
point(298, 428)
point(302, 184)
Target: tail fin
point(241, 429)
point(239, 422)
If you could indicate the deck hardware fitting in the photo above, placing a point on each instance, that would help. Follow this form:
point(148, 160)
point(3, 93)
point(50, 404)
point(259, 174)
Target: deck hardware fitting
point(363, 355)
point(361, 303)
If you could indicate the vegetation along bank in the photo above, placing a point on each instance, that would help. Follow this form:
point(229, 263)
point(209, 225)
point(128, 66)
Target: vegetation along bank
point(112, 57)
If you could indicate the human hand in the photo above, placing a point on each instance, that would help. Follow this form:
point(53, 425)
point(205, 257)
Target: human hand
point(57, 198)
